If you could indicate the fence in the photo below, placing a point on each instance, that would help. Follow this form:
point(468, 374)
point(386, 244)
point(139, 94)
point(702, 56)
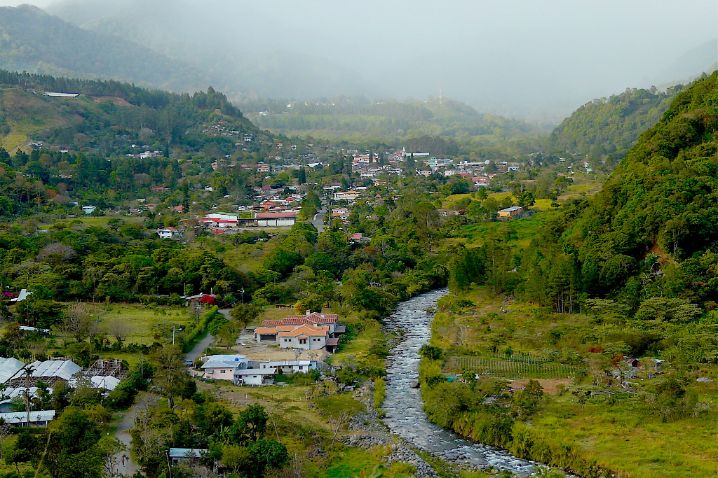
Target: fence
point(514, 367)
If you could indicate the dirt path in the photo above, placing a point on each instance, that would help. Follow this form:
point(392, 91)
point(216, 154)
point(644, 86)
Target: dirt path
point(126, 467)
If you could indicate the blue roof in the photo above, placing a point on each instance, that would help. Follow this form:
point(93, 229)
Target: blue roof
point(224, 361)
point(187, 452)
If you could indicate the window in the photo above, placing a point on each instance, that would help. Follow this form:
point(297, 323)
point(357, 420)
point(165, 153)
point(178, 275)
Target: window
point(302, 341)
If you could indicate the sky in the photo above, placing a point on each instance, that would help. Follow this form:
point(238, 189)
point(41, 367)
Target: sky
point(531, 58)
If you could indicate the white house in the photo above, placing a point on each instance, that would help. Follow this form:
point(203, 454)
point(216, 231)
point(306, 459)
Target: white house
point(304, 337)
point(222, 367)
point(262, 372)
point(168, 233)
point(276, 219)
point(350, 196)
point(88, 209)
point(24, 294)
point(287, 366)
point(254, 376)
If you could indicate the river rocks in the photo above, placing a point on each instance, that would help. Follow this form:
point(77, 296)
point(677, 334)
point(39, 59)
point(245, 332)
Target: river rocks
point(404, 454)
point(403, 405)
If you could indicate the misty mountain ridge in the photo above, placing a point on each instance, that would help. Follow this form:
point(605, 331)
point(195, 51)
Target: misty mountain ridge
point(34, 41)
point(323, 49)
point(247, 66)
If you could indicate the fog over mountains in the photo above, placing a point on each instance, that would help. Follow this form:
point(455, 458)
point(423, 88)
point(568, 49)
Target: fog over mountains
point(537, 60)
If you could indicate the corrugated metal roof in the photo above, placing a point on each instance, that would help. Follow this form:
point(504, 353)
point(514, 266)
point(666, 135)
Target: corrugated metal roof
point(226, 361)
point(9, 367)
point(187, 452)
point(16, 418)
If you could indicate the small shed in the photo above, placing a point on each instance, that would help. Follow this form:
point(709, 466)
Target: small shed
point(186, 455)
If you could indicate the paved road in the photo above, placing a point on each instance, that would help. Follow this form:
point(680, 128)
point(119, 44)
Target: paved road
point(201, 346)
point(318, 219)
point(127, 467)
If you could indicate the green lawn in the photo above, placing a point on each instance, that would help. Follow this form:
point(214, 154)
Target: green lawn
point(144, 324)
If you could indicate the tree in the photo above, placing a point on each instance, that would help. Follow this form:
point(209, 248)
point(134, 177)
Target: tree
point(244, 314)
point(79, 322)
point(170, 375)
point(119, 329)
point(251, 424)
point(72, 448)
point(265, 454)
point(526, 199)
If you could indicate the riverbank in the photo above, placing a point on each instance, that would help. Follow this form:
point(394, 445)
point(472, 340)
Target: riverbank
point(593, 413)
point(403, 405)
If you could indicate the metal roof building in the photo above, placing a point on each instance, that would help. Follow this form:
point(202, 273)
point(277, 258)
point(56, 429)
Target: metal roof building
point(9, 367)
point(39, 417)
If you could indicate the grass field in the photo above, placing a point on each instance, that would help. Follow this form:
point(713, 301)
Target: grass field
point(622, 433)
point(144, 324)
point(302, 420)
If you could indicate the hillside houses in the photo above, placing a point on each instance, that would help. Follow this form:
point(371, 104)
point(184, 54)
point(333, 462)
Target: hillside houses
point(312, 331)
point(220, 223)
point(242, 371)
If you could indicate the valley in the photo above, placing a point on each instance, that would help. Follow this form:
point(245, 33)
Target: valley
point(305, 271)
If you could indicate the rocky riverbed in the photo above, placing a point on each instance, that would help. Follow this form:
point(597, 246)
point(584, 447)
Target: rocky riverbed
point(404, 409)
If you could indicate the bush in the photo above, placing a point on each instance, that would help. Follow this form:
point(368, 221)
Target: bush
point(200, 328)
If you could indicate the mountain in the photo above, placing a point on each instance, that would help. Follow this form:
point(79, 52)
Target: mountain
point(236, 45)
point(605, 129)
point(113, 118)
point(652, 230)
point(359, 118)
point(702, 58)
point(33, 41)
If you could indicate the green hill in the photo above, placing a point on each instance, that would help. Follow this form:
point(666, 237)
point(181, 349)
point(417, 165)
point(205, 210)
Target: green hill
point(109, 117)
point(33, 41)
point(603, 130)
point(653, 228)
point(389, 121)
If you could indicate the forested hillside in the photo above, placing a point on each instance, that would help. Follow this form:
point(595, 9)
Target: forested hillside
point(108, 117)
point(390, 120)
point(652, 230)
point(33, 41)
point(603, 130)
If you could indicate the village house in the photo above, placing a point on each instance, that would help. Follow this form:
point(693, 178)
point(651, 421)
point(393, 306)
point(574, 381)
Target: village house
point(311, 318)
point(223, 367)
point(312, 331)
point(511, 212)
point(340, 213)
point(304, 337)
point(221, 220)
point(168, 233)
point(349, 196)
point(276, 219)
point(263, 372)
point(186, 455)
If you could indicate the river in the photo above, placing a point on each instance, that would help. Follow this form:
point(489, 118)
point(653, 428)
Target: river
point(405, 415)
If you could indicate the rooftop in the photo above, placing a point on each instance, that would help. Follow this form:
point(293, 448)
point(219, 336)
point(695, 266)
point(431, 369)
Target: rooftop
point(227, 361)
point(187, 452)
